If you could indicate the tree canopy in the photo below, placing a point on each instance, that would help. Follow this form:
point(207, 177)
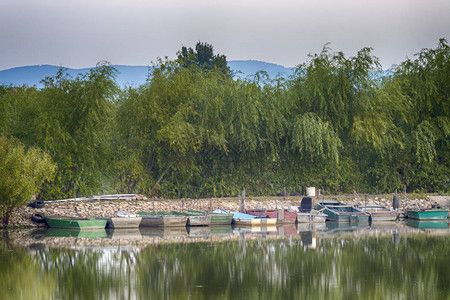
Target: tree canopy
point(192, 130)
point(22, 173)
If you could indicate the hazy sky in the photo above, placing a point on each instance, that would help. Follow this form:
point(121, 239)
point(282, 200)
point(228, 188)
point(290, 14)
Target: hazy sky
point(79, 33)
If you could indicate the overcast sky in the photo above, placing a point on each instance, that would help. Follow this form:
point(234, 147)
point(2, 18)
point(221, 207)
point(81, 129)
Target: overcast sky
point(80, 33)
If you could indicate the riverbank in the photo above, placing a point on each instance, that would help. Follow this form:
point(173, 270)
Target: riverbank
point(105, 207)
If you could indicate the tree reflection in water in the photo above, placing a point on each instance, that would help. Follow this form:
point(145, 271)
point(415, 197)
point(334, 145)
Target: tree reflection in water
point(387, 267)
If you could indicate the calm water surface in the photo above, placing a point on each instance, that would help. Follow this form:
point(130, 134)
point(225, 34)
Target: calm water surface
point(290, 262)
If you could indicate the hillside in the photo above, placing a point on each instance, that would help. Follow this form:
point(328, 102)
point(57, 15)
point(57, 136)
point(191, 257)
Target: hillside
point(129, 75)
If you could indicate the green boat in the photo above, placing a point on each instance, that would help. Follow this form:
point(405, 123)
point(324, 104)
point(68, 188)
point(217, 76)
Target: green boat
point(75, 223)
point(198, 218)
point(428, 214)
point(340, 212)
point(206, 219)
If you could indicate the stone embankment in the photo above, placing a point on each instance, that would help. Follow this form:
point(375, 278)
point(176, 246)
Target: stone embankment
point(107, 208)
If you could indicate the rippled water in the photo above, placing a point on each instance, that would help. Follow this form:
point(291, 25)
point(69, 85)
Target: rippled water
point(309, 262)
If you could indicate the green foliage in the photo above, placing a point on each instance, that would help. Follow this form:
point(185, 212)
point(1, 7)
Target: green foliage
point(315, 139)
point(335, 87)
point(22, 174)
point(203, 57)
point(192, 130)
point(73, 128)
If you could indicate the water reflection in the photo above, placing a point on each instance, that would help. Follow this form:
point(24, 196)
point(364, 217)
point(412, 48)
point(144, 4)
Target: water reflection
point(313, 262)
point(427, 224)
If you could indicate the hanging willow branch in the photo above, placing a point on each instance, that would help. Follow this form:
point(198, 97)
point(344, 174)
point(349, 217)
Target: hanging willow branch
point(315, 139)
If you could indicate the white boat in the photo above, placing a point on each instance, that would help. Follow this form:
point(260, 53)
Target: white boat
point(380, 213)
point(123, 220)
point(312, 217)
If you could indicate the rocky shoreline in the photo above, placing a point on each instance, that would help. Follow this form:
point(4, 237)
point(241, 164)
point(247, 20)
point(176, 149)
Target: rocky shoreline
point(93, 208)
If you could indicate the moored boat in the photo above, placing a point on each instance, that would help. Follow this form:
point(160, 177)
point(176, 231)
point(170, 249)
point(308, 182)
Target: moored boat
point(427, 214)
point(311, 217)
point(162, 219)
point(75, 223)
point(199, 218)
point(340, 212)
point(255, 221)
point(380, 213)
point(246, 219)
point(123, 220)
point(308, 215)
point(282, 215)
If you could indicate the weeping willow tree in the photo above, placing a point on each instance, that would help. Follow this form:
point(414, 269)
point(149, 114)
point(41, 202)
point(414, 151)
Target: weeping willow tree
point(173, 116)
point(330, 94)
point(73, 127)
point(192, 130)
point(424, 81)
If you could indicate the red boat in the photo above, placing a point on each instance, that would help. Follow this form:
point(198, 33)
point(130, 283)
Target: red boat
point(282, 216)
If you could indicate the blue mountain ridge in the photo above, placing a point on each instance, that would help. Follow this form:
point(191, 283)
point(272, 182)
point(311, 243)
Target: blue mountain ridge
point(130, 75)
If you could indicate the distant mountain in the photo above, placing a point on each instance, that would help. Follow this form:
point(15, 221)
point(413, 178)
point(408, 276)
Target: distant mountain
point(32, 75)
point(248, 68)
point(130, 75)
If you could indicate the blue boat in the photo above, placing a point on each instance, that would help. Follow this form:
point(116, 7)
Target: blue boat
point(339, 212)
point(246, 219)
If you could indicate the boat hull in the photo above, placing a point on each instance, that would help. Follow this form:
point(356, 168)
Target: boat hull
point(339, 212)
point(428, 214)
point(336, 216)
point(255, 222)
point(383, 217)
point(151, 221)
point(175, 221)
point(166, 221)
point(380, 213)
point(210, 219)
point(121, 222)
point(311, 217)
point(282, 216)
point(221, 219)
point(75, 223)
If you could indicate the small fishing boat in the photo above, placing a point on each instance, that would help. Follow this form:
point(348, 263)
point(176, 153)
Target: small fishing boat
point(246, 219)
point(123, 220)
point(282, 215)
point(206, 219)
point(162, 219)
point(428, 214)
point(207, 231)
point(75, 223)
point(312, 217)
point(380, 213)
point(308, 215)
point(340, 212)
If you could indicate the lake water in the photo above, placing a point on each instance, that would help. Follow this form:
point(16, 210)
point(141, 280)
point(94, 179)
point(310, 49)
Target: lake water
point(331, 261)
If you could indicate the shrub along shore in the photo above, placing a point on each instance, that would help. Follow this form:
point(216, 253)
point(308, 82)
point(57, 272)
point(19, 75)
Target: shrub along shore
point(108, 208)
